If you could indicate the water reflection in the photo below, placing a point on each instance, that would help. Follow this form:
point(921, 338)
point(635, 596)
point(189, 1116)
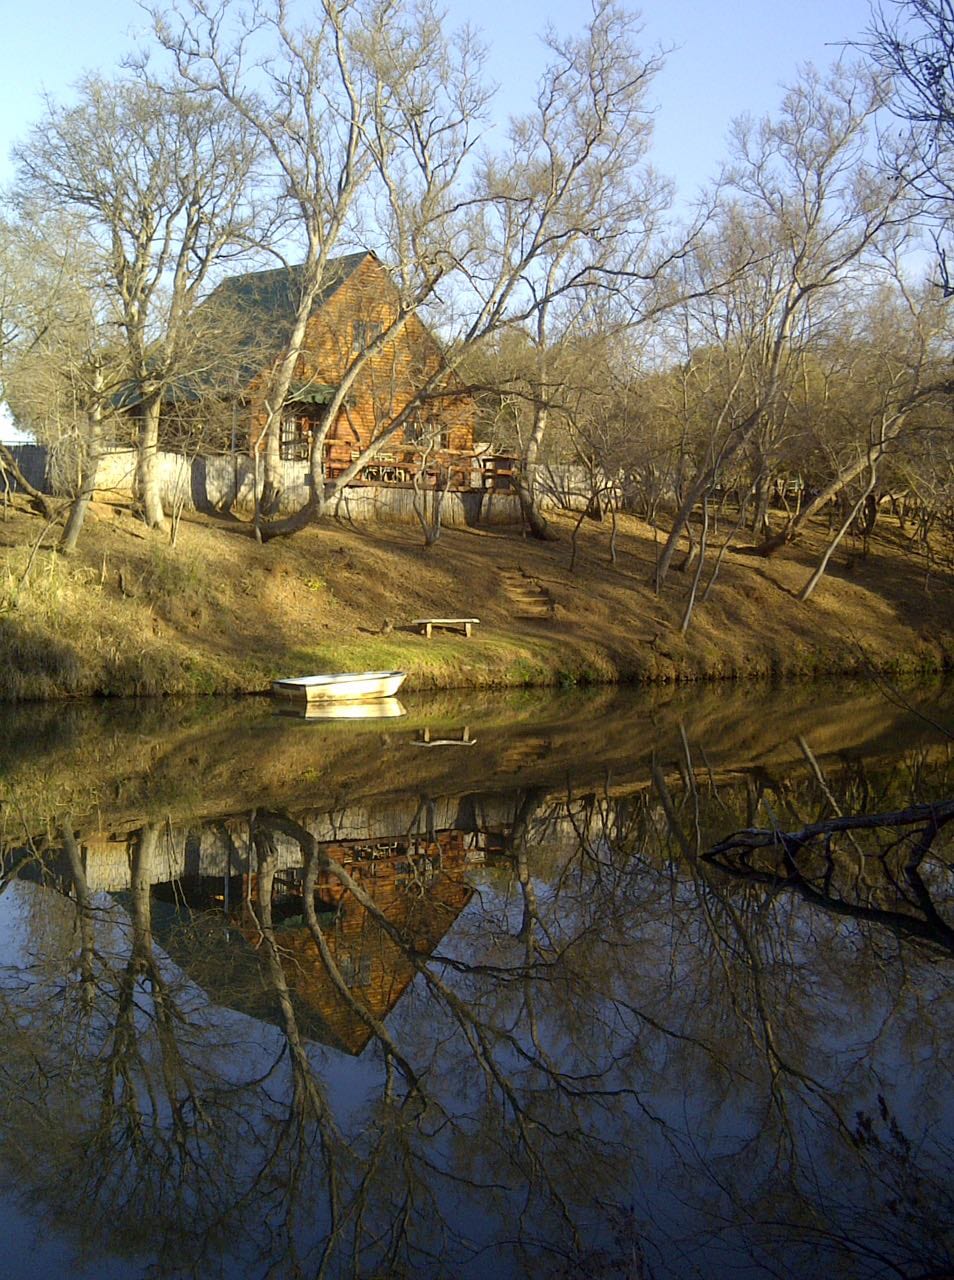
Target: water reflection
point(565, 1003)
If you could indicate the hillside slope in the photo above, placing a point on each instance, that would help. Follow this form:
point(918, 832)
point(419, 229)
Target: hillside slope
point(131, 614)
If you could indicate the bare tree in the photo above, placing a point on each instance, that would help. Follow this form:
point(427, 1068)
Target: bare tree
point(370, 117)
point(9, 325)
point(160, 176)
point(913, 40)
point(367, 116)
point(893, 379)
point(807, 209)
point(429, 499)
point(578, 163)
point(28, 301)
point(65, 369)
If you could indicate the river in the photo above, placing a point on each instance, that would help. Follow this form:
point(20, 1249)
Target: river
point(492, 987)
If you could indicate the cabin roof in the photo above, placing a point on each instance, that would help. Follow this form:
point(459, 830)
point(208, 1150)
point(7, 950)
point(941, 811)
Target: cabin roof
point(262, 304)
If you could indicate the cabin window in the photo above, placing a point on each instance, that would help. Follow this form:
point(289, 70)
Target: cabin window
point(294, 443)
point(426, 431)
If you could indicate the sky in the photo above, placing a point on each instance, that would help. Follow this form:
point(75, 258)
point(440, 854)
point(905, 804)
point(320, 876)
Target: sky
point(724, 60)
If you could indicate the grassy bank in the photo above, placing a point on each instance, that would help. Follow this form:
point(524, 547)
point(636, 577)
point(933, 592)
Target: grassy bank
point(129, 614)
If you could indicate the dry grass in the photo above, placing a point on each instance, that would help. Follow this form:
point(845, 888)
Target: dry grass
point(128, 614)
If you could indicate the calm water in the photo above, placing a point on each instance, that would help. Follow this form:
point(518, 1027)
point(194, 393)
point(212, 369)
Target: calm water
point(479, 990)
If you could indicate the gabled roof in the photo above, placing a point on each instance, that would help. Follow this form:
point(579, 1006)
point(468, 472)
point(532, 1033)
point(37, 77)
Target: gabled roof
point(262, 305)
point(129, 395)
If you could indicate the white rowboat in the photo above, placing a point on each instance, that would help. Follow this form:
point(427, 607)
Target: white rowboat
point(348, 686)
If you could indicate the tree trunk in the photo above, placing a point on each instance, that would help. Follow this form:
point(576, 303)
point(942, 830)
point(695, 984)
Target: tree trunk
point(273, 483)
point(90, 470)
point(573, 539)
point(743, 504)
point(313, 510)
point(699, 488)
point(144, 855)
point(150, 494)
point(791, 529)
point(819, 571)
point(85, 916)
point(430, 521)
point(703, 537)
point(869, 515)
point(533, 517)
point(760, 520)
point(834, 488)
point(9, 463)
point(537, 525)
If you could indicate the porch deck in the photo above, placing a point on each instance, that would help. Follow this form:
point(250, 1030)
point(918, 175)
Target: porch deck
point(460, 470)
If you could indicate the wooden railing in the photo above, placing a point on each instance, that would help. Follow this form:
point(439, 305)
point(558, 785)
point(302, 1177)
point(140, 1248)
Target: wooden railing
point(459, 470)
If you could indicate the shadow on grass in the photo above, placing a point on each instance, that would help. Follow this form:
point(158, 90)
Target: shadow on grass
point(35, 664)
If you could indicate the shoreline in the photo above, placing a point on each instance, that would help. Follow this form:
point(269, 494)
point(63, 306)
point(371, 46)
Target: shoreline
point(899, 666)
point(130, 616)
point(424, 680)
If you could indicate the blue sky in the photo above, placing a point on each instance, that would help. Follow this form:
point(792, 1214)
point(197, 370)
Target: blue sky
point(725, 59)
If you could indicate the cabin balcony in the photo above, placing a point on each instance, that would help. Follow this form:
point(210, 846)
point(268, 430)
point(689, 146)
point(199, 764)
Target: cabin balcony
point(459, 471)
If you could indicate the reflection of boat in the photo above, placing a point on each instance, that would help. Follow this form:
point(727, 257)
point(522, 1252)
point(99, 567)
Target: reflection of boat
point(347, 686)
point(371, 709)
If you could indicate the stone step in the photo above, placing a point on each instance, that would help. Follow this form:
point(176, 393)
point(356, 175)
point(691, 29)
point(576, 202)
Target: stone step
point(530, 602)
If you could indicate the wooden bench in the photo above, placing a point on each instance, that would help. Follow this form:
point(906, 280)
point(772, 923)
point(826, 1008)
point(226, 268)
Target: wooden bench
point(451, 624)
point(424, 739)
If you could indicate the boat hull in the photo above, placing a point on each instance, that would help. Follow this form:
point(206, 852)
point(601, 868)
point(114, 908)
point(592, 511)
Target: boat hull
point(350, 686)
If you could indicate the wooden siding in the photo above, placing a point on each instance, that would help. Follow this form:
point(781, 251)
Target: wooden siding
point(366, 303)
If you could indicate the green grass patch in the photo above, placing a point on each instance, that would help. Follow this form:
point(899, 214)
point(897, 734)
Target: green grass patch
point(447, 661)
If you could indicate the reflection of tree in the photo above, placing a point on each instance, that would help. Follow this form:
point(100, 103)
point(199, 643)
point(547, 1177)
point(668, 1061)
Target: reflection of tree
point(175, 1145)
point(819, 996)
point(264, 825)
point(309, 1134)
point(613, 1054)
point(808, 861)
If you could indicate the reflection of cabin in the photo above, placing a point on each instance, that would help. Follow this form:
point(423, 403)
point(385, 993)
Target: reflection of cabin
point(355, 305)
point(414, 881)
point(420, 897)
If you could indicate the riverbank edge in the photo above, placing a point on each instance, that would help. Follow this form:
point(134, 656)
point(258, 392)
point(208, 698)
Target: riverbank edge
point(497, 662)
point(219, 615)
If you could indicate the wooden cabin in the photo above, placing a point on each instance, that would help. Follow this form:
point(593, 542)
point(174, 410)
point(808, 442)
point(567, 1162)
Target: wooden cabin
point(355, 304)
point(417, 884)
